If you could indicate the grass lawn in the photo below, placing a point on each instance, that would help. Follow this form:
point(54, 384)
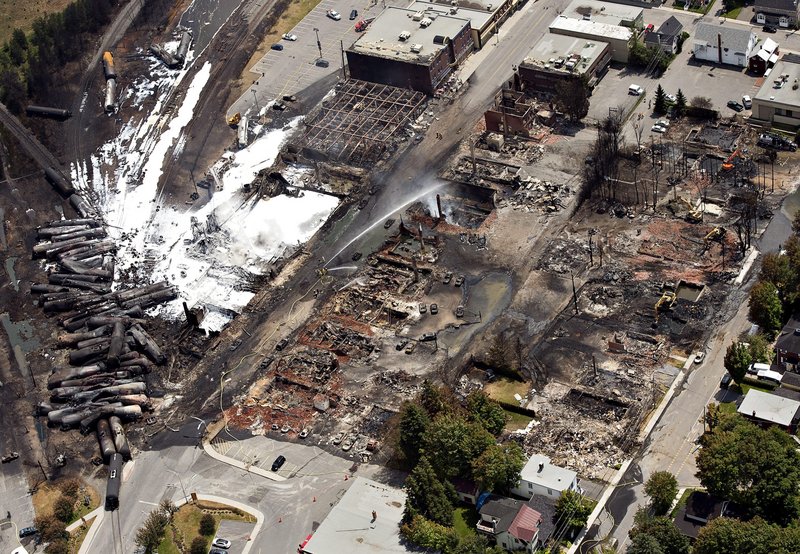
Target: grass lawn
point(464, 520)
point(734, 13)
point(744, 387)
point(503, 389)
point(516, 421)
point(681, 502)
point(14, 13)
point(728, 407)
point(48, 493)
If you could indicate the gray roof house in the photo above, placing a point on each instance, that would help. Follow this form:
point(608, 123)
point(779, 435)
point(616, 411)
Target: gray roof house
point(770, 409)
point(723, 44)
point(776, 12)
point(539, 476)
point(666, 36)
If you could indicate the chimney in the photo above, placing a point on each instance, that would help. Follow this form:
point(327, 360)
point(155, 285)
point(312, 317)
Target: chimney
point(719, 46)
point(541, 467)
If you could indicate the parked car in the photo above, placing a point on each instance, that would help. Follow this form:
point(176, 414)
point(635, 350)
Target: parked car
point(658, 128)
point(747, 102)
point(338, 438)
point(726, 380)
point(289, 98)
point(649, 28)
point(699, 357)
point(356, 256)
point(663, 123)
point(735, 106)
point(400, 345)
point(348, 444)
point(212, 551)
point(278, 105)
point(304, 433)
point(769, 29)
point(671, 98)
point(10, 457)
point(410, 348)
point(353, 14)
point(221, 543)
point(288, 36)
point(434, 309)
point(333, 14)
point(388, 223)
point(276, 465)
point(27, 532)
point(460, 311)
point(281, 344)
point(459, 281)
point(447, 278)
point(427, 337)
point(286, 428)
point(322, 63)
point(423, 308)
point(277, 47)
point(635, 90)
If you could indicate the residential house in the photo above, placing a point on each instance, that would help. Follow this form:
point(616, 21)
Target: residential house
point(539, 476)
point(769, 409)
point(782, 13)
point(723, 44)
point(466, 490)
point(791, 381)
point(787, 347)
point(700, 508)
point(511, 523)
point(666, 37)
point(765, 58)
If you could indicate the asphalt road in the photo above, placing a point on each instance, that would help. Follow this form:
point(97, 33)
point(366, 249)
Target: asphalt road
point(672, 446)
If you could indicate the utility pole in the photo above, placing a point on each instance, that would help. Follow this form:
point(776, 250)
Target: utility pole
point(319, 44)
point(574, 292)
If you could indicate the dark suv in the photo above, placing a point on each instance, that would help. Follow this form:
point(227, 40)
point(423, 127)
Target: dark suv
point(279, 461)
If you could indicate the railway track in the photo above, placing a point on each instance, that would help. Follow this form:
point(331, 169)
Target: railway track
point(35, 149)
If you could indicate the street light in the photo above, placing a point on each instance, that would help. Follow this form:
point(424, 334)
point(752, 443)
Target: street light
point(319, 44)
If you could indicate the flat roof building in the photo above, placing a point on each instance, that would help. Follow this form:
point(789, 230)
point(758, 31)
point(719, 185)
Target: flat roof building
point(764, 407)
point(777, 103)
point(606, 12)
point(410, 49)
point(558, 58)
point(485, 17)
point(366, 520)
point(539, 476)
point(619, 38)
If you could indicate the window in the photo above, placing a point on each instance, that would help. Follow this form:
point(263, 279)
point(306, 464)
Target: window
point(530, 485)
point(550, 492)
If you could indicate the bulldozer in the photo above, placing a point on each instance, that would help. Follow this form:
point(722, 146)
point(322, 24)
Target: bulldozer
point(234, 120)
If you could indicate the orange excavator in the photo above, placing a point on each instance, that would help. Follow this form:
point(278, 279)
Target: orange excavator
point(727, 165)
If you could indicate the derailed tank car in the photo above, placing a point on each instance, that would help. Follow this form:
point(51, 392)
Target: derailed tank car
point(108, 66)
point(114, 482)
point(110, 103)
point(59, 182)
point(44, 111)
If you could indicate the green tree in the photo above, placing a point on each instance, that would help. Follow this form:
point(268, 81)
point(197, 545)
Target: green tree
point(759, 469)
point(64, 509)
point(487, 412)
point(737, 360)
point(428, 534)
point(660, 101)
point(765, 306)
point(680, 103)
point(433, 399)
point(207, 525)
point(17, 47)
point(414, 423)
point(777, 269)
point(198, 546)
point(428, 496)
point(661, 487)
point(452, 443)
point(731, 536)
point(58, 546)
point(644, 544)
point(760, 348)
point(498, 468)
point(149, 535)
point(572, 98)
point(573, 508)
point(662, 530)
point(796, 223)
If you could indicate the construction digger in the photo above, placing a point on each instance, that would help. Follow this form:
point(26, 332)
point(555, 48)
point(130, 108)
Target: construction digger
point(728, 164)
point(234, 120)
point(715, 234)
point(667, 300)
point(693, 215)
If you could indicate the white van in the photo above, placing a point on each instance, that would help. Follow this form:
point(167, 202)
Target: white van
point(771, 376)
point(747, 102)
point(756, 367)
point(635, 90)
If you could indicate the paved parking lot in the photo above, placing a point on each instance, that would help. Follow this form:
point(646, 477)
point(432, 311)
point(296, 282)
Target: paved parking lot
point(293, 69)
point(238, 532)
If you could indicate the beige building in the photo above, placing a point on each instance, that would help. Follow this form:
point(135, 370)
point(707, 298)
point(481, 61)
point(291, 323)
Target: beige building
point(777, 102)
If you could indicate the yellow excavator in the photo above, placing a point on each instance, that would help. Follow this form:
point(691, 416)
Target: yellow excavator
point(234, 120)
point(715, 234)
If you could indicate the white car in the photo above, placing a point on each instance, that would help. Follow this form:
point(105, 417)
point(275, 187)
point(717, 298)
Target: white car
point(221, 543)
point(658, 129)
point(635, 90)
point(663, 123)
point(747, 102)
point(288, 36)
point(699, 357)
point(671, 98)
point(333, 14)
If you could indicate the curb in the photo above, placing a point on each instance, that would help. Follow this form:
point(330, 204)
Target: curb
point(87, 540)
point(212, 431)
point(244, 507)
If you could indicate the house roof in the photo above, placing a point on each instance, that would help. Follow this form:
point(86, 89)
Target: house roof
point(770, 94)
point(540, 471)
point(733, 38)
point(700, 508)
point(590, 28)
point(670, 27)
point(790, 379)
point(769, 45)
point(525, 524)
point(769, 407)
point(789, 339)
point(603, 12)
point(465, 486)
point(785, 5)
point(350, 527)
point(547, 507)
point(787, 393)
point(501, 509)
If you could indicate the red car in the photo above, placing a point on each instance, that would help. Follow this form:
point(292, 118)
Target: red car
point(303, 544)
point(649, 28)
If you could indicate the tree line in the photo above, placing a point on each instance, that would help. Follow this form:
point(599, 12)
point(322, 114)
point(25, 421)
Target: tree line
point(28, 62)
